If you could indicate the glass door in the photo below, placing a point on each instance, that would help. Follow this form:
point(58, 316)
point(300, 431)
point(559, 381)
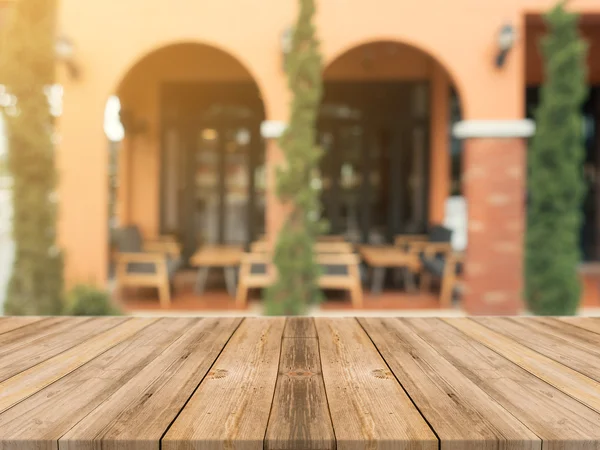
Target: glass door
point(207, 189)
point(229, 185)
point(236, 193)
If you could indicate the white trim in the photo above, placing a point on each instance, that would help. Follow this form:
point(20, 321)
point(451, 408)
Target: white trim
point(272, 129)
point(494, 129)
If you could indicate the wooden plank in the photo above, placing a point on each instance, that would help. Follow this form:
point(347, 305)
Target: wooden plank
point(587, 323)
point(567, 380)
point(231, 407)
point(571, 334)
point(300, 414)
point(588, 340)
point(48, 414)
point(300, 327)
point(26, 333)
point(545, 340)
point(140, 412)
point(369, 409)
point(21, 355)
point(559, 420)
point(12, 323)
point(34, 379)
point(462, 415)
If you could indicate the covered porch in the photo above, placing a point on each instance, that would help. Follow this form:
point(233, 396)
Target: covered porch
point(194, 165)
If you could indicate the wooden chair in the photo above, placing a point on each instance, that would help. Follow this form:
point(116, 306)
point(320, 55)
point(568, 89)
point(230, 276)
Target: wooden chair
point(322, 238)
point(331, 238)
point(320, 247)
point(256, 271)
point(445, 266)
point(340, 271)
point(438, 241)
point(142, 263)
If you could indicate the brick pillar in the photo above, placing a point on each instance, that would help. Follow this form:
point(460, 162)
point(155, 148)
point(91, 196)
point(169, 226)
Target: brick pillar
point(494, 185)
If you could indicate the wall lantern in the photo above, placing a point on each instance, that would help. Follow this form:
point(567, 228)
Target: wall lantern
point(287, 41)
point(65, 53)
point(506, 41)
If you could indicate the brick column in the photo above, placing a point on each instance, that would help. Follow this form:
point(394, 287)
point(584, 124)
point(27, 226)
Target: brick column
point(494, 185)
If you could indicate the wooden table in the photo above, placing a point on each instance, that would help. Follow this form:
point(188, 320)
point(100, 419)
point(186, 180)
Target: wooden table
point(382, 257)
point(231, 383)
point(227, 257)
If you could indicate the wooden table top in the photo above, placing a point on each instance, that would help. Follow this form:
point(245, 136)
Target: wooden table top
point(387, 256)
point(218, 256)
point(301, 383)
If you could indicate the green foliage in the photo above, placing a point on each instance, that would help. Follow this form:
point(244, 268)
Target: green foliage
point(27, 69)
point(86, 300)
point(296, 286)
point(556, 186)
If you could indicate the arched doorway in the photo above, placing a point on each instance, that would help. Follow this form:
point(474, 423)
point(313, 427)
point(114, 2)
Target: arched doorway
point(195, 166)
point(381, 110)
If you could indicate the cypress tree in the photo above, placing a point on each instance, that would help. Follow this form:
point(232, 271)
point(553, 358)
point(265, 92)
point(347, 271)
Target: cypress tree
point(296, 286)
point(28, 65)
point(556, 186)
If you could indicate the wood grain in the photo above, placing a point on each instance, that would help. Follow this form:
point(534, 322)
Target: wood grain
point(548, 341)
point(22, 335)
point(231, 407)
point(22, 354)
point(589, 324)
point(141, 410)
point(299, 327)
point(50, 413)
point(368, 407)
point(574, 335)
point(300, 414)
point(570, 381)
point(299, 384)
point(28, 382)
point(12, 323)
point(462, 415)
point(559, 420)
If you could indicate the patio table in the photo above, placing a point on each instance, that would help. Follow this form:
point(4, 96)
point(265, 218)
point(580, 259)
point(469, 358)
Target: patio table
point(299, 383)
point(382, 257)
point(227, 257)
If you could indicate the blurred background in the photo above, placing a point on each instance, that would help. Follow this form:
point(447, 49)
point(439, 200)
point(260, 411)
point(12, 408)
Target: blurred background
point(167, 124)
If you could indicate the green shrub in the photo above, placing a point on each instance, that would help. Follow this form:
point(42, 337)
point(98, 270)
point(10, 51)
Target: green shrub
point(555, 180)
point(85, 300)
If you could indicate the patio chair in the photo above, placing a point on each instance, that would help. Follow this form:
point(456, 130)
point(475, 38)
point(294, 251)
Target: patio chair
point(438, 241)
point(142, 263)
point(320, 247)
point(256, 271)
point(447, 267)
point(340, 271)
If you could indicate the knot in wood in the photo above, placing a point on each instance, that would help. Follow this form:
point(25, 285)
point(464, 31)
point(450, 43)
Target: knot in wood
point(384, 374)
point(300, 373)
point(217, 373)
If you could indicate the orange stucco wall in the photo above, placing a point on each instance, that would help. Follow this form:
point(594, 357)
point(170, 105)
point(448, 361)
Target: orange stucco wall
point(139, 93)
point(113, 35)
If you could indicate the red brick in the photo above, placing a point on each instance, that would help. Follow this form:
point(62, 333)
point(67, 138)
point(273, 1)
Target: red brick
point(494, 260)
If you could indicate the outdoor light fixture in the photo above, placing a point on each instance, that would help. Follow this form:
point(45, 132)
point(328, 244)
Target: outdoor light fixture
point(65, 52)
point(287, 40)
point(506, 40)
